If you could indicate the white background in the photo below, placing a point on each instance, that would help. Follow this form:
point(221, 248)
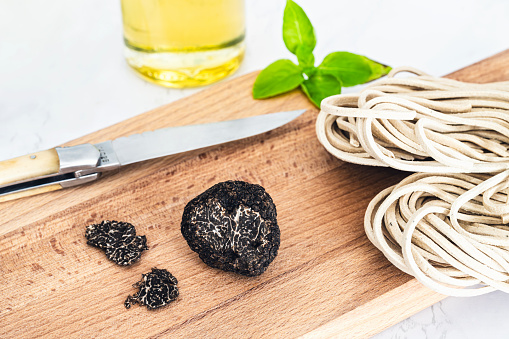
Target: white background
point(62, 75)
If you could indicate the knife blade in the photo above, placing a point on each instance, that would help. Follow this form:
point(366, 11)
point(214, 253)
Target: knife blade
point(63, 167)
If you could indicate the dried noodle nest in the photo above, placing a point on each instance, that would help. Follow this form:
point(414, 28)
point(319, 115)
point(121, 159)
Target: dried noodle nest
point(449, 231)
point(448, 225)
point(420, 124)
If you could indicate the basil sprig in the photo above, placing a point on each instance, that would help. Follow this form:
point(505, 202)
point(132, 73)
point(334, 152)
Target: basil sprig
point(338, 69)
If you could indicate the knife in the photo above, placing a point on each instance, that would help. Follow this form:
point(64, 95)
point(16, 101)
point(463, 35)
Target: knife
point(63, 167)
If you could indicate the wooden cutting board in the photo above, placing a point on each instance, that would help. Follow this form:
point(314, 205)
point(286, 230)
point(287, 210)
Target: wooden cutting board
point(328, 280)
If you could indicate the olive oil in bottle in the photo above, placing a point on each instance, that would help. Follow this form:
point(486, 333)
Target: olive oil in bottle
point(184, 43)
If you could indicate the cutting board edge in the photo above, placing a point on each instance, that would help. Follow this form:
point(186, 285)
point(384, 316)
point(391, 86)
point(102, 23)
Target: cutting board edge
point(380, 312)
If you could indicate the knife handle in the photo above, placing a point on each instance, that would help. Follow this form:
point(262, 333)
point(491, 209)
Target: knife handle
point(30, 192)
point(30, 166)
point(48, 171)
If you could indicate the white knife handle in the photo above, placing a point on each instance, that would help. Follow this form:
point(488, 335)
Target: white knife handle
point(28, 167)
point(48, 171)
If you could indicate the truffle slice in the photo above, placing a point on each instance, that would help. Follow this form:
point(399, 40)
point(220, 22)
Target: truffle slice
point(232, 226)
point(118, 240)
point(156, 289)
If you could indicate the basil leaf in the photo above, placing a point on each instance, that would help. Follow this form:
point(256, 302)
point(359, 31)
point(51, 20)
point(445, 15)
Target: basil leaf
point(297, 29)
point(352, 69)
point(305, 57)
point(337, 69)
point(377, 70)
point(279, 77)
point(309, 71)
point(321, 86)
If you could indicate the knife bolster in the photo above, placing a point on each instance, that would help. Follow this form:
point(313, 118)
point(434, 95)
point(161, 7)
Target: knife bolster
point(29, 166)
point(78, 158)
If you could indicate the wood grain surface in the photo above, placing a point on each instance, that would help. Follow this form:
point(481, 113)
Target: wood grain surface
point(327, 281)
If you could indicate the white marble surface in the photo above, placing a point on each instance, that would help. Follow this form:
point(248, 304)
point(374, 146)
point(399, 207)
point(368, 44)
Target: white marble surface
point(62, 75)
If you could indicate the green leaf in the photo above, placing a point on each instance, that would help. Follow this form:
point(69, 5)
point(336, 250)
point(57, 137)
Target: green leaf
point(321, 86)
point(352, 69)
point(279, 77)
point(377, 70)
point(297, 29)
point(305, 57)
point(309, 71)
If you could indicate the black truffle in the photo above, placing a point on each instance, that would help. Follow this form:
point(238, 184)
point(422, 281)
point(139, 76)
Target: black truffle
point(156, 289)
point(118, 240)
point(232, 226)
